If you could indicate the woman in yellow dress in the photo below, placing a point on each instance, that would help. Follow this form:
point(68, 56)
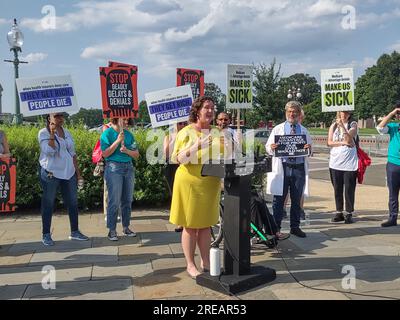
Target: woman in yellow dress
point(195, 199)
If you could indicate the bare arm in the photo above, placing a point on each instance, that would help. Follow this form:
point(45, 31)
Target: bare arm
point(332, 143)
point(111, 149)
point(6, 148)
point(78, 172)
point(386, 119)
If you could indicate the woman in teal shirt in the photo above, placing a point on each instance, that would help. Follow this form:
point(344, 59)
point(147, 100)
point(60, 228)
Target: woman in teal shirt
point(119, 148)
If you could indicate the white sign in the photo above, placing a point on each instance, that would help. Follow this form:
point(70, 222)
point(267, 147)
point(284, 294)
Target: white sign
point(169, 106)
point(46, 95)
point(337, 88)
point(240, 87)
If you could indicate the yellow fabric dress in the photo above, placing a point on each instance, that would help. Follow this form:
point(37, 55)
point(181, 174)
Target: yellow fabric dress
point(195, 199)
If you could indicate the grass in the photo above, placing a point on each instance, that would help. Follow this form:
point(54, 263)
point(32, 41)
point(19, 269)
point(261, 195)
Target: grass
point(362, 132)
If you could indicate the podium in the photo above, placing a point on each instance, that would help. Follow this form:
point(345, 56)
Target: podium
point(238, 274)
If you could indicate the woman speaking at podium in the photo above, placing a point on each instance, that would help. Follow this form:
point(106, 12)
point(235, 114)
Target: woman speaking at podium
point(195, 199)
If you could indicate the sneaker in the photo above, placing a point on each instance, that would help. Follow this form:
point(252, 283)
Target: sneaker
point(298, 232)
point(338, 218)
point(47, 240)
point(113, 236)
point(77, 235)
point(128, 232)
point(348, 219)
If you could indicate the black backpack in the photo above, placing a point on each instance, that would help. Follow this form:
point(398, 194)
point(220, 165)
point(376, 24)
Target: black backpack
point(260, 215)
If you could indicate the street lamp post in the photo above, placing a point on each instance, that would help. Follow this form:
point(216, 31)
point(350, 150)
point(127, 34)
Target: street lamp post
point(15, 39)
point(294, 94)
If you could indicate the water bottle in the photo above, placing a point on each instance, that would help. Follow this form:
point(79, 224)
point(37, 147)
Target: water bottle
point(215, 261)
point(307, 216)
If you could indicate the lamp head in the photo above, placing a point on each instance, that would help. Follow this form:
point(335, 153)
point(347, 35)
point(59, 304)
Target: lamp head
point(15, 37)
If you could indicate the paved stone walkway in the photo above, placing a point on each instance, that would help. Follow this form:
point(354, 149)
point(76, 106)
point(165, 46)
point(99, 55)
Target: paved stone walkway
point(152, 266)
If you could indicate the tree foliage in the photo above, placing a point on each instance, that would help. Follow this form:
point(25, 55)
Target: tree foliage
point(212, 90)
point(379, 88)
point(89, 117)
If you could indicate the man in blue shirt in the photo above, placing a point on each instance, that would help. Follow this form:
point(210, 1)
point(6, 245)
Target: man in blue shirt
point(393, 164)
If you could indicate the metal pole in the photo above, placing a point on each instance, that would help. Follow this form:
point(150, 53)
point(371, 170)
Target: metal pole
point(17, 105)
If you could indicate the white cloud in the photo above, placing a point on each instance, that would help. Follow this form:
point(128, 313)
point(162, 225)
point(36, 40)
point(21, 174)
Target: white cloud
point(395, 46)
point(35, 57)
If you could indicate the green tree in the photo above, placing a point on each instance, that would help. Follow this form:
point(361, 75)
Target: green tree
point(268, 101)
point(89, 117)
point(308, 85)
point(314, 115)
point(143, 112)
point(212, 90)
point(379, 88)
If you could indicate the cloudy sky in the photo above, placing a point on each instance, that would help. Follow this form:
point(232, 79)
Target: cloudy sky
point(161, 35)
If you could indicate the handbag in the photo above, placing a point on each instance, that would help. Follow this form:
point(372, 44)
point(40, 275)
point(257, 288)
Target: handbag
point(363, 162)
point(99, 169)
point(97, 154)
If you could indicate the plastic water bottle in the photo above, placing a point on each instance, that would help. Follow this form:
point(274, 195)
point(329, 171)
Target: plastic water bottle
point(215, 262)
point(307, 216)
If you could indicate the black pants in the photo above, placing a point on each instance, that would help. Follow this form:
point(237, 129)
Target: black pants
point(393, 182)
point(348, 179)
point(170, 171)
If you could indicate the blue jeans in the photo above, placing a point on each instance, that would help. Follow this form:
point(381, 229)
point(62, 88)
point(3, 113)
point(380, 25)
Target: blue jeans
point(294, 179)
point(119, 178)
point(69, 193)
point(393, 182)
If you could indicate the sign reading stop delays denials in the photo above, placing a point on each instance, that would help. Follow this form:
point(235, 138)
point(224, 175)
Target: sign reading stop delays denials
point(240, 86)
point(291, 146)
point(46, 95)
point(169, 106)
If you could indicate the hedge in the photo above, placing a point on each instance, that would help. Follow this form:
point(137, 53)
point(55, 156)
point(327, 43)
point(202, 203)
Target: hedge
point(150, 185)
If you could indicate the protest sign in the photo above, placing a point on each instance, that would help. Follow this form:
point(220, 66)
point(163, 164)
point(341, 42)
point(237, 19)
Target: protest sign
point(193, 77)
point(169, 106)
point(240, 86)
point(8, 181)
point(113, 64)
point(291, 146)
point(46, 95)
point(119, 92)
point(337, 88)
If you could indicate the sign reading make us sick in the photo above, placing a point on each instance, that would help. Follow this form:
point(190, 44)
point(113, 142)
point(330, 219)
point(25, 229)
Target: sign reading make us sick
point(337, 88)
point(240, 86)
point(46, 95)
point(169, 106)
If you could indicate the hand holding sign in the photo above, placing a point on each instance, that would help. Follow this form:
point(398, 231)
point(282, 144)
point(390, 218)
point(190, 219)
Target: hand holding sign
point(291, 146)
